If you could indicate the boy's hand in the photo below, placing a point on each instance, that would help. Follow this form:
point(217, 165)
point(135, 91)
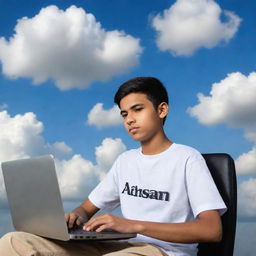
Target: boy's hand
point(74, 219)
point(81, 214)
point(108, 221)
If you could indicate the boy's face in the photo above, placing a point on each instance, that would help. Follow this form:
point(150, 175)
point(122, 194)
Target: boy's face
point(141, 120)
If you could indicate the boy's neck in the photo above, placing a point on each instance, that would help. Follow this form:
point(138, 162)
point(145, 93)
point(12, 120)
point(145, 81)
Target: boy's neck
point(156, 146)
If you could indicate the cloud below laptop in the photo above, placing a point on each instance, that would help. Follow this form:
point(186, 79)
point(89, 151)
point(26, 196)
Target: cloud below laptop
point(21, 137)
point(78, 176)
point(69, 47)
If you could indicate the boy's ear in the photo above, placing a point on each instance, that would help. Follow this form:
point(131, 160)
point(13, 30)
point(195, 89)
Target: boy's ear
point(162, 109)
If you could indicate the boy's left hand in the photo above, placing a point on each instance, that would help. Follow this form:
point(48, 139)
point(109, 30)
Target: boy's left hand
point(109, 221)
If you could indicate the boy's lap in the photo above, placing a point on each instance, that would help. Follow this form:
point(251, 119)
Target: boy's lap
point(140, 249)
point(22, 243)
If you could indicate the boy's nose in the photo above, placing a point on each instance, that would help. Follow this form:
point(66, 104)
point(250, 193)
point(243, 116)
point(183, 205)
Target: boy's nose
point(130, 119)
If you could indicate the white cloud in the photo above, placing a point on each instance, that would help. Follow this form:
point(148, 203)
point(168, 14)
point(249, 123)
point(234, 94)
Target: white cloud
point(103, 118)
point(77, 177)
point(191, 24)
point(60, 148)
point(21, 137)
point(247, 199)
point(70, 47)
point(232, 101)
point(107, 152)
point(17, 133)
point(246, 163)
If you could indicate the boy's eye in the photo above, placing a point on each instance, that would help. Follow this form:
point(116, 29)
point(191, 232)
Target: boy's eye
point(138, 109)
point(124, 115)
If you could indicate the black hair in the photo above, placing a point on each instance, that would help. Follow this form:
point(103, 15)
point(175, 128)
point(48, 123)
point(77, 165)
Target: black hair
point(151, 86)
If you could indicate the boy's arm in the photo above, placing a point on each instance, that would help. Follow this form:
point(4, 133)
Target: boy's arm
point(81, 214)
point(206, 228)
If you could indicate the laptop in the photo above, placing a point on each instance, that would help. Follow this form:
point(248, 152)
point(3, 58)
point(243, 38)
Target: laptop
point(35, 202)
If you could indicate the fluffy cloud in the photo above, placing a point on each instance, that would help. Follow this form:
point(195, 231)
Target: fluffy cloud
point(103, 118)
point(246, 163)
point(232, 101)
point(70, 47)
point(190, 24)
point(247, 199)
point(108, 152)
point(78, 176)
point(21, 137)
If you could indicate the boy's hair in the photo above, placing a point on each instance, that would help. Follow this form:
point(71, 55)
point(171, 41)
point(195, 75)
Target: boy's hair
point(151, 86)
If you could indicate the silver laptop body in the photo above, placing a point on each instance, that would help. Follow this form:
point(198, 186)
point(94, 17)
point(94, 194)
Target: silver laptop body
point(35, 201)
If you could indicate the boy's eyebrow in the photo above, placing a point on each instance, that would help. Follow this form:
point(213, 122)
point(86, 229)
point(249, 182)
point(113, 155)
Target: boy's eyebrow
point(132, 107)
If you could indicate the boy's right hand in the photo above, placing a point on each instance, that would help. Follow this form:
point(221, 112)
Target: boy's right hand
point(75, 219)
point(81, 214)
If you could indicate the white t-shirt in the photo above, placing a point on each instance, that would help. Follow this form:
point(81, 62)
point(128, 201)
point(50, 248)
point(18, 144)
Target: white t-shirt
point(173, 186)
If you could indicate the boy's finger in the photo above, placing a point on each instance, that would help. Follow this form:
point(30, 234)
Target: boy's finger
point(72, 219)
point(102, 227)
point(94, 224)
point(80, 221)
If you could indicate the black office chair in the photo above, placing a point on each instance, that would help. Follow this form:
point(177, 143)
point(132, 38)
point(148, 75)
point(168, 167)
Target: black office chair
point(223, 172)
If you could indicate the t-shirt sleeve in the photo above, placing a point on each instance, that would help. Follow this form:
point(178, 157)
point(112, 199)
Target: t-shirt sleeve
point(106, 193)
point(202, 191)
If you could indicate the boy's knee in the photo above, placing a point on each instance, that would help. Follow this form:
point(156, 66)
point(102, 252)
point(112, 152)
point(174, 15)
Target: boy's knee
point(14, 235)
point(6, 239)
point(5, 242)
point(14, 243)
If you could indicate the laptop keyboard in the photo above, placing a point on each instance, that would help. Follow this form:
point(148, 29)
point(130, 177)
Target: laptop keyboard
point(81, 231)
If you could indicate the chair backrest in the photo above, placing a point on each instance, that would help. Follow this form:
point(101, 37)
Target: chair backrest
point(223, 172)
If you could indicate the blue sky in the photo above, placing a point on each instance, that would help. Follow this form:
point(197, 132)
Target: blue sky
point(61, 62)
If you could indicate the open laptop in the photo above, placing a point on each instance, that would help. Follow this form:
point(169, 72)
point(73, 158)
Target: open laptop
point(35, 202)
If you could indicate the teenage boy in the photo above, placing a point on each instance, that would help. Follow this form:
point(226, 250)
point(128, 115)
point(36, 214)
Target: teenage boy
point(165, 191)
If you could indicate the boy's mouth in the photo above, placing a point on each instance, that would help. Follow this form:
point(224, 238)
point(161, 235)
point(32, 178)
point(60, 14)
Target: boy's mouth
point(133, 130)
